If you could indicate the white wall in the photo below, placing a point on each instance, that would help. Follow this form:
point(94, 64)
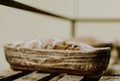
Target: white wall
point(99, 9)
point(108, 30)
point(19, 25)
point(64, 7)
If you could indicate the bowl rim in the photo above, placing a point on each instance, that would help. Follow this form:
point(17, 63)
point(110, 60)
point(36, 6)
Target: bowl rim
point(92, 50)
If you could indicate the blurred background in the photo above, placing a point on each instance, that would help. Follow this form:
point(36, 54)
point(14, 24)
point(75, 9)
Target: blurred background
point(99, 18)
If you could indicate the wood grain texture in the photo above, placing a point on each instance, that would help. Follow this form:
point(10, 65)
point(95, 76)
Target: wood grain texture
point(39, 76)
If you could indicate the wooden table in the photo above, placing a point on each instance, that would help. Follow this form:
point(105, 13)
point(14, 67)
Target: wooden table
point(11, 75)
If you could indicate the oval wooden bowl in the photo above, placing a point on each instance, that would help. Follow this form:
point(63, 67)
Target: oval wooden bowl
point(59, 61)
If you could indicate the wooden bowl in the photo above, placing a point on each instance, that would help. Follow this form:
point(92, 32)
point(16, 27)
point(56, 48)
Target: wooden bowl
point(59, 61)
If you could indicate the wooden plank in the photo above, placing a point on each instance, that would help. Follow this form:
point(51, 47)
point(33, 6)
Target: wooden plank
point(56, 78)
point(34, 76)
point(8, 73)
point(71, 78)
point(11, 75)
point(80, 78)
point(110, 78)
point(47, 78)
